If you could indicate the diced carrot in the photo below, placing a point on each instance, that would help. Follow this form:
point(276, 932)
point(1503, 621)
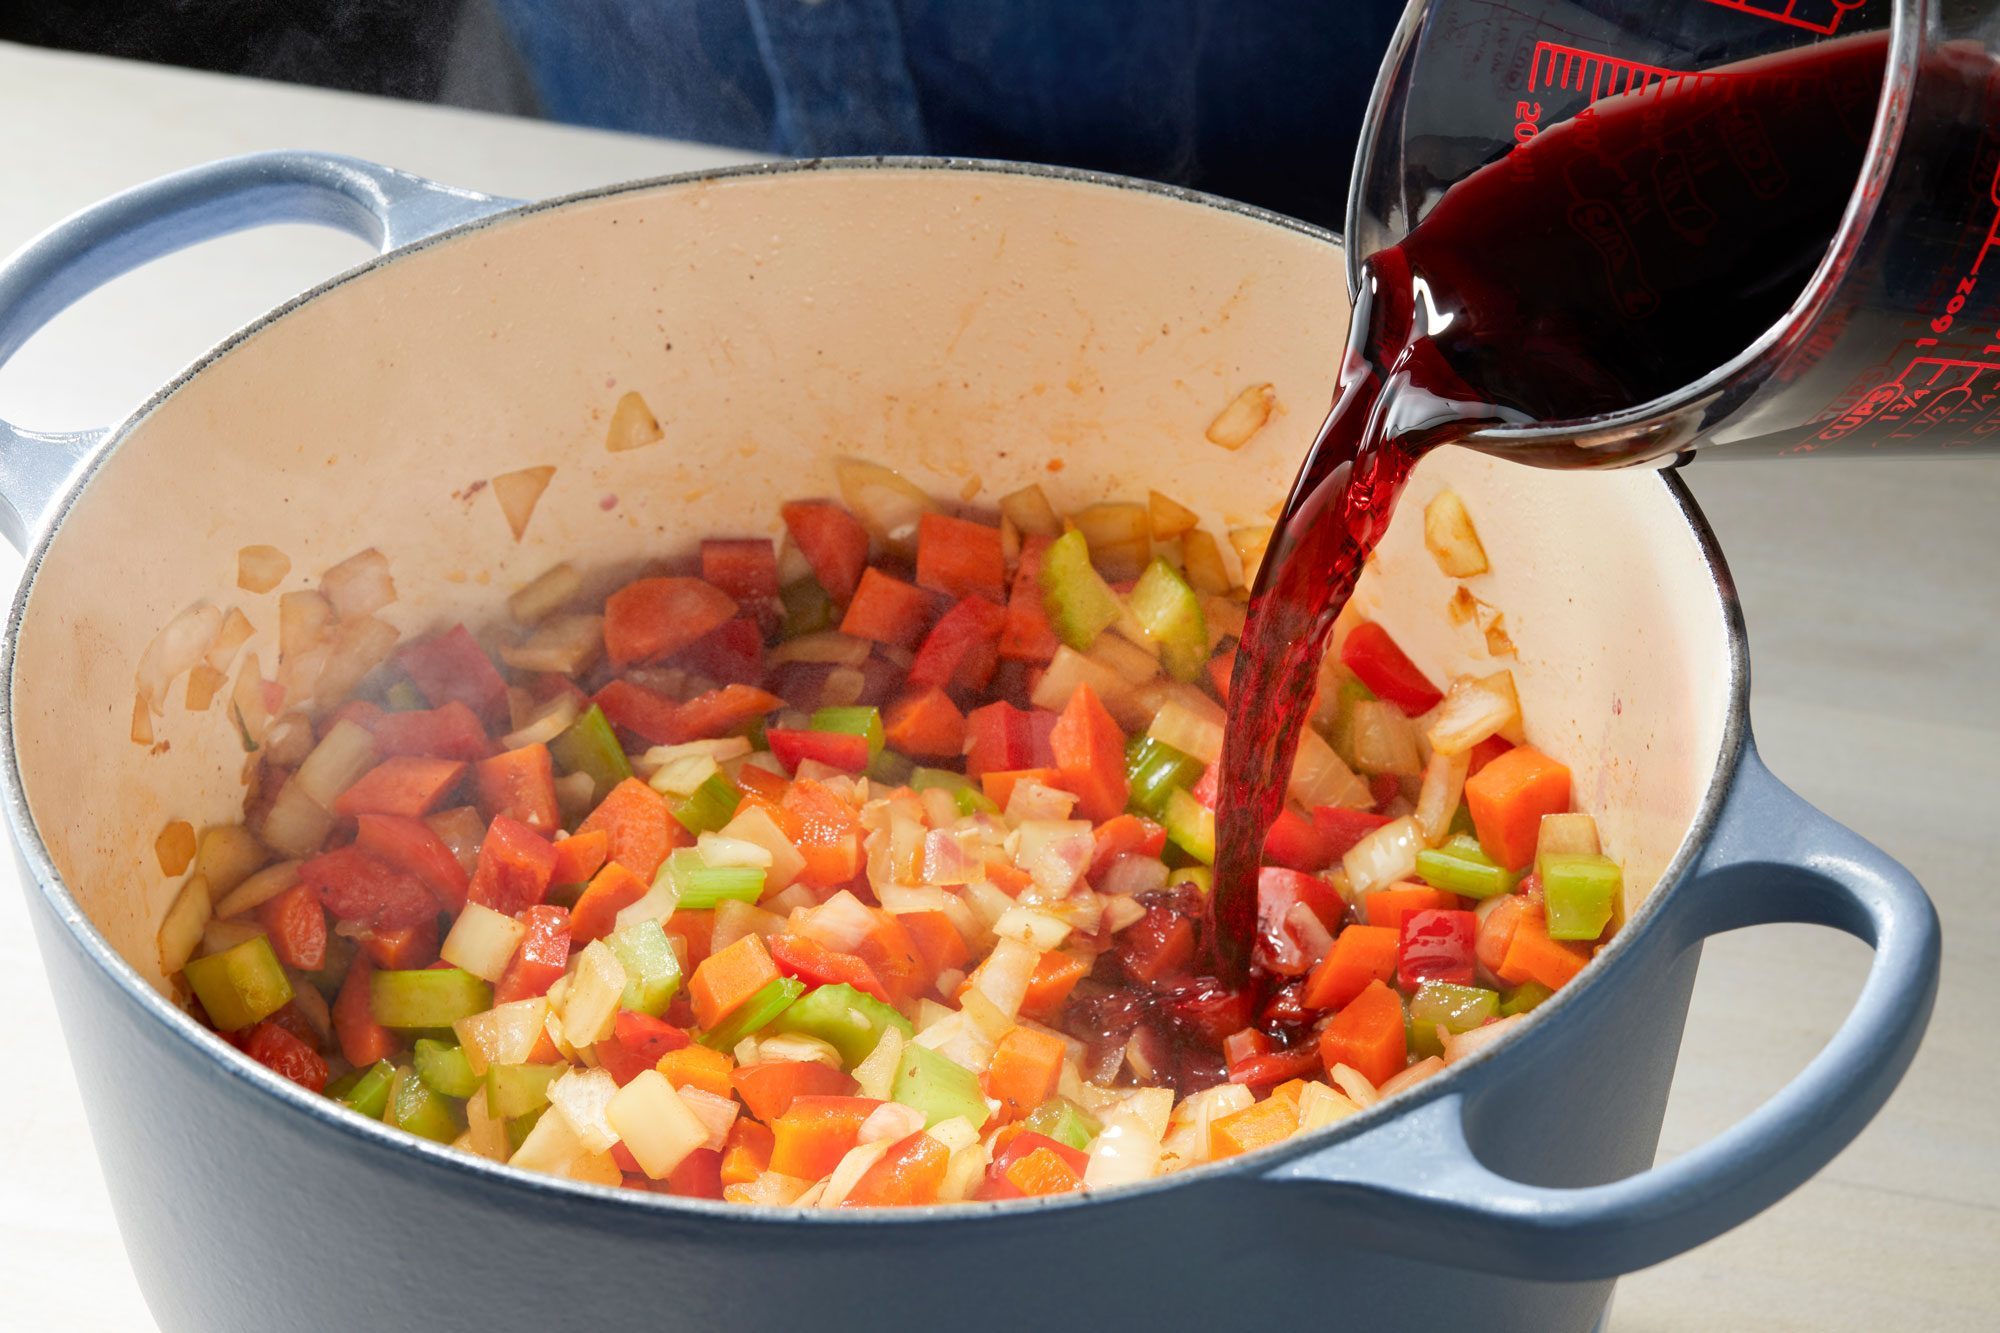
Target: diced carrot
point(1360, 954)
point(1090, 754)
point(1028, 636)
point(452, 731)
point(1533, 956)
point(520, 784)
point(515, 864)
point(1260, 1125)
point(698, 929)
point(1385, 907)
point(1055, 976)
point(1497, 925)
point(829, 836)
point(698, 1067)
point(721, 712)
point(1043, 1171)
point(1007, 877)
point(960, 558)
point(1024, 1070)
point(613, 889)
point(404, 949)
point(814, 1133)
point(726, 979)
point(649, 619)
point(1125, 835)
point(999, 786)
point(770, 1087)
point(363, 1041)
point(640, 827)
point(833, 542)
point(1367, 1036)
point(746, 1153)
point(296, 924)
point(911, 1172)
point(413, 847)
point(887, 610)
point(963, 648)
point(1508, 798)
point(452, 666)
point(1221, 669)
point(744, 567)
point(542, 958)
point(401, 785)
point(579, 856)
point(925, 726)
point(894, 956)
point(937, 939)
point(816, 965)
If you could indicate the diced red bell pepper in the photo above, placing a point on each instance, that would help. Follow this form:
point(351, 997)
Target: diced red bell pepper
point(1437, 945)
point(402, 784)
point(962, 649)
point(411, 846)
point(960, 558)
point(1279, 949)
point(1383, 667)
point(1001, 737)
point(1295, 841)
point(732, 652)
point(815, 1132)
point(1221, 670)
point(1486, 752)
point(1243, 1044)
point(541, 959)
point(354, 886)
point(1158, 947)
point(887, 610)
point(402, 950)
point(270, 1045)
point(452, 666)
point(836, 749)
point(636, 1043)
point(769, 1087)
point(296, 924)
point(1384, 788)
point(910, 1173)
point(647, 714)
point(515, 867)
point(521, 785)
point(1340, 828)
point(363, 1041)
point(1000, 1183)
point(452, 731)
point(744, 567)
point(699, 1176)
point(833, 542)
point(649, 619)
point(1207, 788)
point(816, 965)
point(1029, 636)
point(1269, 1068)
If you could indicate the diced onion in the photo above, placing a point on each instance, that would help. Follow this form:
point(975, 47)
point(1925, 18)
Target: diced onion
point(482, 941)
point(1170, 518)
point(889, 1122)
point(591, 1002)
point(1384, 739)
point(1070, 669)
point(261, 568)
point(1120, 537)
point(258, 889)
point(655, 1123)
point(358, 647)
point(1437, 801)
point(1384, 856)
point(567, 644)
point(828, 646)
point(175, 847)
point(1452, 540)
point(246, 703)
point(1120, 913)
point(1355, 1084)
point(1567, 835)
point(633, 425)
point(783, 861)
point(342, 755)
point(1179, 725)
point(1036, 929)
point(1242, 417)
point(716, 1114)
point(1055, 853)
point(840, 923)
point(359, 585)
point(221, 936)
point(305, 622)
point(1320, 1106)
point(295, 825)
point(1463, 1045)
point(550, 591)
point(518, 493)
point(1409, 1078)
point(181, 930)
point(1030, 511)
point(734, 920)
point(235, 632)
point(176, 648)
point(849, 1172)
point(1250, 544)
point(1201, 561)
point(1003, 978)
point(506, 1034)
point(1322, 777)
point(876, 1074)
point(1474, 709)
point(1126, 1150)
point(888, 504)
point(549, 722)
point(1035, 800)
point(1131, 874)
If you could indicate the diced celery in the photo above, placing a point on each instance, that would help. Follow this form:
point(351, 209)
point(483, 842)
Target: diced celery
point(970, 800)
point(754, 1014)
point(709, 807)
point(1579, 891)
point(808, 609)
point(1523, 998)
point(243, 984)
point(518, 1090)
point(1200, 876)
point(416, 1107)
point(1064, 1121)
point(1460, 867)
point(652, 969)
point(844, 1018)
point(1455, 1008)
point(1190, 826)
point(1154, 770)
point(857, 720)
point(1080, 603)
point(521, 1126)
point(365, 1090)
point(590, 746)
point(702, 885)
point(1170, 613)
point(432, 997)
point(1340, 734)
point(444, 1067)
point(404, 697)
point(938, 1086)
point(891, 768)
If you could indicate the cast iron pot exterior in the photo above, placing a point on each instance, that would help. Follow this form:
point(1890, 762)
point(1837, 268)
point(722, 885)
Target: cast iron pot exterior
point(1479, 1197)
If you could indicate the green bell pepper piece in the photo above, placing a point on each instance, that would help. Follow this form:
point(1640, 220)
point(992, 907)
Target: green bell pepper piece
point(416, 1107)
point(404, 697)
point(701, 886)
point(1523, 998)
point(1460, 867)
point(365, 1090)
point(590, 746)
point(754, 1014)
point(242, 985)
point(432, 997)
point(1064, 1121)
point(1190, 826)
point(652, 968)
point(844, 1018)
point(1455, 1008)
point(1170, 613)
point(1080, 603)
point(518, 1090)
point(1154, 770)
point(938, 1086)
point(709, 807)
point(857, 720)
point(1579, 890)
point(808, 609)
point(444, 1068)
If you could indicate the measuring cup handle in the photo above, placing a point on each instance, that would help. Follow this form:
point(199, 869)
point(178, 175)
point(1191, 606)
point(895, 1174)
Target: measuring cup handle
point(380, 205)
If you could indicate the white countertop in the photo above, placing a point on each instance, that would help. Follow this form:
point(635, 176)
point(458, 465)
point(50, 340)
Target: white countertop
point(1873, 616)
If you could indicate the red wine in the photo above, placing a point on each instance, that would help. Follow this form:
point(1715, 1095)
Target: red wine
point(1608, 260)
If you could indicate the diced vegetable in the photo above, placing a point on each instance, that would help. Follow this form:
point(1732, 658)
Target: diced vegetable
point(1580, 892)
point(1154, 770)
point(589, 747)
point(415, 1107)
point(1508, 798)
point(444, 1068)
point(939, 1087)
point(241, 985)
point(1450, 537)
point(1454, 1008)
point(755, 1013)
point(652, 969)
point(368, 1090)
point(1190, 826)
point(520, 1089)
point(1080, 603)
point(429, 998)
point(1462, 867)
point(1170, 613)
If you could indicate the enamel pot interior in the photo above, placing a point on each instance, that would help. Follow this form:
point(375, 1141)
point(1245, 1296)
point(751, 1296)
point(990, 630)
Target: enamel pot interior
point(976, 329)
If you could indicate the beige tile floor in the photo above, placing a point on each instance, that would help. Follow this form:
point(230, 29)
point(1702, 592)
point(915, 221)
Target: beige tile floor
point(1874, 620)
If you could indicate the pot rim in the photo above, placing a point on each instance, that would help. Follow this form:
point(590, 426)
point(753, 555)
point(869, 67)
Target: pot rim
point(33, 853)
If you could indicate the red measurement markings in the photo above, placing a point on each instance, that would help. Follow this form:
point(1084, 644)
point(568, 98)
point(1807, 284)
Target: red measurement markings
point(1822, 16)
point(1577, 70)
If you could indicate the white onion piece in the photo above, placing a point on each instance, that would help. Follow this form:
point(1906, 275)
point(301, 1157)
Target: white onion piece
point(1384, 856)
point(830, 647)
point(840, 923)
point(1036, 929)
point(1355, 1084)
point(1474, 709)
point(566, 644)
point(1409, 1078)
point(482, 941)
point(1566, 835)
point(1125, 1150)
point(1437, 800)
point(1384, 739)
point(849, 1172)
point(1070, 669)
point(716, 1114)
point(633, 425)
point(1003, 978)
point(548, 593)
point(655, 1122)
point(1030, 511)
point(1463, 1045)
point(359, 585)
point(1132, 873)
point(181, 931)
point(258, 889)
point(1178, 724)
point(174, 650)
point(1450, 537)
point(1054, 853)
point(342, 755)
point(945, 860)
point(295, 825)
point(734, 920)
point(876, 1074)
point(890, 1122)
point(1032, 800)
point(888, 504)
point(1243, 416)
point(261, 568)
point(1120, 913)
point(551, 720)
point(1322, 777)
point(518, 493)
point(1307, 929)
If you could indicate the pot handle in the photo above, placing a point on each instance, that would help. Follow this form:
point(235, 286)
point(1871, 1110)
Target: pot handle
point(380, 205)
point(1773, 859)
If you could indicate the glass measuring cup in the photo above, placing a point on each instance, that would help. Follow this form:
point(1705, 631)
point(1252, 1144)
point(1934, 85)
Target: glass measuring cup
point(1893, 345)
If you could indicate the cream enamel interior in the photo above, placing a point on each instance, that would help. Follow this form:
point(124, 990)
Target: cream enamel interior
point(975, 329)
